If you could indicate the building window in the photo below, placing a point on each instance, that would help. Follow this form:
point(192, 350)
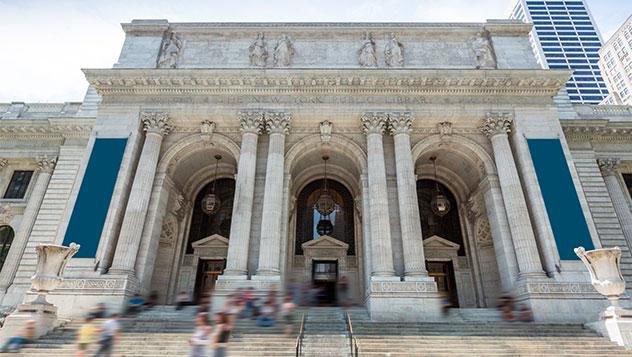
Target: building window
point(6, 238)
point(18, 184)
point(627, 178)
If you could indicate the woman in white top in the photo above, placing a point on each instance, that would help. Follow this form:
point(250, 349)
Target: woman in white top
point(201, 336)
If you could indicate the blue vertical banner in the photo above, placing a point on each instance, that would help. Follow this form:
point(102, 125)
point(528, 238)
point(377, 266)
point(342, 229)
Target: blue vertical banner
point(560, 197)
point(91, 208)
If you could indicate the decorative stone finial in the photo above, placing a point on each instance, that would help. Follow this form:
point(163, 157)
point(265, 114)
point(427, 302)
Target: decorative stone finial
point(277, 122)
point(251, 121)
point(608, 166)
point(325, 131)
point(46, 164)
point(374, 122)
point(400, 122)
point(496, 123)
point(156, 122)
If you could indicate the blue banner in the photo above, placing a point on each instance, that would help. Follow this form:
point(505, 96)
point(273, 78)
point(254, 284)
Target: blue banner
point(91, 209)
point(560, 197)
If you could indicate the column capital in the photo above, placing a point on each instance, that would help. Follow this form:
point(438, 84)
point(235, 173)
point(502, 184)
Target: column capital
point(46, 164)
point(496, 123)
point(277, 122)
point(608, 166)
point(156, 122)
point(250, 121)
point(3, 163)
point(374, 122)
point(400, 122)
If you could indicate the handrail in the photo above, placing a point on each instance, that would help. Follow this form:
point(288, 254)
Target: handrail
point(353, 342)
point(299, 338)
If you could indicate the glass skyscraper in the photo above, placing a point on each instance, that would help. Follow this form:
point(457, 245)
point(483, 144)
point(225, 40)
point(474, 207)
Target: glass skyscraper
point(565, 37)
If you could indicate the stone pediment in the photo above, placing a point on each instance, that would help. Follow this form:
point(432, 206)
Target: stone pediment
point(325, 242)
point(440, 243)
point(213, 241)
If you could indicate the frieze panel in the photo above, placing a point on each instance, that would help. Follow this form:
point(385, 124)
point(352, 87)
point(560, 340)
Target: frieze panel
point(85, 284)
point(403, 287)
point(556, 288)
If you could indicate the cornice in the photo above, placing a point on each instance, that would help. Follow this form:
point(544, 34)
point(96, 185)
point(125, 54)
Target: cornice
point(441, 82)
point(52, 128)
point(597, 130)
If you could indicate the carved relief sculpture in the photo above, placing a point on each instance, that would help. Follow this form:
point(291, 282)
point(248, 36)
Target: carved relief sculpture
point(394, 52)
point(258, 51)
point(325, 131)
point(170, 52)
point(485, 58)
point(366, 55)
point(445, 128)
point(283, 52)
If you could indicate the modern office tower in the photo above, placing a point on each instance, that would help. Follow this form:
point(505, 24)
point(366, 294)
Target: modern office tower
point(616, 64)
point(565, 37)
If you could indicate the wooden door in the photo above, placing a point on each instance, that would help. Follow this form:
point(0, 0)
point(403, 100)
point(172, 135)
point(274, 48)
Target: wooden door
point(443, 273)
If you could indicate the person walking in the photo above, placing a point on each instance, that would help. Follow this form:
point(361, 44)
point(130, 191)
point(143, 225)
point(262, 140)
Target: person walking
point(221, 334)
point(85, 336)
point(110, 334)
point(26, 335)
point(287, 313)
point(201, 336)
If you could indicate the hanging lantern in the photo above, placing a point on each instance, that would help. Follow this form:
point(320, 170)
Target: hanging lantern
point(325, 204)
point(211, 202)
point(324, 227)
point(440, 204)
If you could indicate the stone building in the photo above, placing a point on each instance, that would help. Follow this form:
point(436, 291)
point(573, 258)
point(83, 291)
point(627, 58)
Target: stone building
point(420, 162)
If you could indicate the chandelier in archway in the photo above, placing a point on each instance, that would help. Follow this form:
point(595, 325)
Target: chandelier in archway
point(440, 204)
point(325, 205)
point(211, 202)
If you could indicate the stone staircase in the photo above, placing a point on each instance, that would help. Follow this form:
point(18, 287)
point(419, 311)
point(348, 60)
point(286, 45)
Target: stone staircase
point(325, 333)
point(165, 332)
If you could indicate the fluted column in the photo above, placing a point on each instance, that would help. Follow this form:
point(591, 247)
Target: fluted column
point(374, 124)
point(45, 167)
point(237, 260)
point(496, 126)
point(608, 168)
point(412, 241)
point(277, 125)
point(156, 126)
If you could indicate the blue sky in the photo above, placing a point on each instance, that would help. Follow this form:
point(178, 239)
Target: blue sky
point(47, 42)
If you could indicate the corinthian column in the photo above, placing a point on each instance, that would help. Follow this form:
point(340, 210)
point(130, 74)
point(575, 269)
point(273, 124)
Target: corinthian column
point(496, 126)
point(277, 126)
point(237, 260)
point(412, 240)
point(373, 124)
point(156, 126)
point(608, 168)
point(45, 169)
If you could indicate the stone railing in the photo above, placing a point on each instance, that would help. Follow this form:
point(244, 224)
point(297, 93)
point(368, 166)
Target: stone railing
point(603, 111)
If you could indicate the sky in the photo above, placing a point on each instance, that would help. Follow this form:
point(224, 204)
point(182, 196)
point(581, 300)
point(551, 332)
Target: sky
point(47, 42)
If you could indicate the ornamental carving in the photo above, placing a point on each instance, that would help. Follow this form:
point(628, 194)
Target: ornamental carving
point(180, 206)
point(444, 128)
point(46, 164)
point(81, 284)
point(207, 128)
point(400, 122)
point(169, 231)
point(484, 52)
point(170, 52)
point(250, 121)
point(258, 51)
point(277, 122)
point(483, 232)
point(392, 287)
point(3, 163)
point(366, 54)
point(325, 131)
point(283, 52)
point(374, 122)
point(156, 122)
point(496, 123)
point(394, 52)
point(608, 166)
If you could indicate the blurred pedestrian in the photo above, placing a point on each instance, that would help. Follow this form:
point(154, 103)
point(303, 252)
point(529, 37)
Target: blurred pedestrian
point(99, 311)
point(152, 300)
point(287, 313)
point(182, 299)
point(343, 292)
point(201, 336)
point(506, 306)
point(26, 335)
point(110, 334)
point(135, 304)
point(221, 334)
point(86, 335)
point(524, 313)
point(266, 315)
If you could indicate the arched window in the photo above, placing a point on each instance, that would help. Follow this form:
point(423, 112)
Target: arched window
point(204, 225)
point(6, 238)
point(448, 226)
point(307, 216)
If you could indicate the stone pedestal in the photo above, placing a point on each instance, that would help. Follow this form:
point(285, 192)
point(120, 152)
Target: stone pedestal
point(413, 300)
point(616, 325)
point(44, 315)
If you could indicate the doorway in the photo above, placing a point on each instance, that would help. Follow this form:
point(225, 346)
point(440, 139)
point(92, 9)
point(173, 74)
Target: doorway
point(207, 272)
point(325, 277)
point(443, 274)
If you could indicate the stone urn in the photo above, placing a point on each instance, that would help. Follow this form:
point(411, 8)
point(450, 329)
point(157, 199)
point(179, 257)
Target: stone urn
point(605, 273)
point(51, 262)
